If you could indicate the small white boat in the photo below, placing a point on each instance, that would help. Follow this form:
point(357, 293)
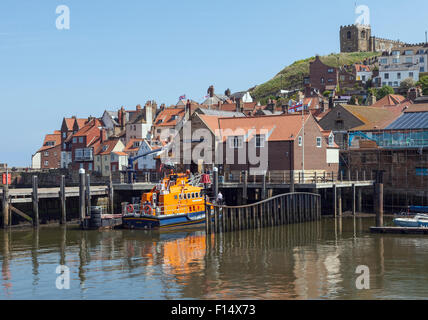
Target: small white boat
point(418, 221)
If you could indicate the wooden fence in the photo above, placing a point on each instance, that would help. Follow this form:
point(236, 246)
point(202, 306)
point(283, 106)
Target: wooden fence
point(282, 209)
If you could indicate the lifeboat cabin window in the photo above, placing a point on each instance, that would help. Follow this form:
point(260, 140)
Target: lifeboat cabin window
point(179, 196)
point(175, 197)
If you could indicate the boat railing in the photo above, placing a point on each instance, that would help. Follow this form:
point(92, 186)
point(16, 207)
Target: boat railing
point(137, 209)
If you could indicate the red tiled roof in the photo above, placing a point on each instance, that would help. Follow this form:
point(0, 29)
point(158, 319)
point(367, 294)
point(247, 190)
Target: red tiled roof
point(280, 127)
point(55, 138)
point(120, 153)
point(389, 100)
point(106, 147)
point(165, 117)
point(130, 145)
point(423, 107)
point(362, 68)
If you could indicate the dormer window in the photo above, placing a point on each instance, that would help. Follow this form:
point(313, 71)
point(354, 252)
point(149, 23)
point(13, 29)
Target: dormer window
point(331, 140)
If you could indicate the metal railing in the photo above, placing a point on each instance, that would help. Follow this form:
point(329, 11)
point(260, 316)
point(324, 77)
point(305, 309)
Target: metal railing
point(307, 177)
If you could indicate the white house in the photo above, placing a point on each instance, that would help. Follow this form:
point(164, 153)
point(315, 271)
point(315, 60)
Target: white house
point(363, 72)
point(402, 63)
point(36, 161)
point(148, 162)
point(140, 127)
point(245, 96)
point(393, 75)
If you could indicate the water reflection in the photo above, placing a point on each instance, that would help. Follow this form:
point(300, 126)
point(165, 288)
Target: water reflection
point(303, 261)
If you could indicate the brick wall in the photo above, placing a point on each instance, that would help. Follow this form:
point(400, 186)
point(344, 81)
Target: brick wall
point(51, 158)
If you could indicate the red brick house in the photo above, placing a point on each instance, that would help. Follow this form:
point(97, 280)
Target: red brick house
point(282, 135)
point(50, 152)
point(68, 128)
point(84, 142)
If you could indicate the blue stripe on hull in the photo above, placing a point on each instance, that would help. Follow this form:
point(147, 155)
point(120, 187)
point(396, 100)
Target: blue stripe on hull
point(163, 222)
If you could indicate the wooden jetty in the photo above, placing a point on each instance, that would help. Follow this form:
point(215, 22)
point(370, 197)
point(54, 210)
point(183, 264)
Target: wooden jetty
point(282, 209)
point(399, 230)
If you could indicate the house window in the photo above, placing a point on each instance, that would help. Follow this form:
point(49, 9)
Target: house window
point(113, 167)
point(330, 80)
point(46, 154)
point(64, 135)
point(395, 83)
point(236, 142)
point(74, 140)
point(331, 70)
point(46, 163)
point(106, 168)
point(363, 78)
point(342, 78)
point(395, 60)
point(422, 69)
point(411, 74)
point(349, 35)
point(386, 76)
point(399, 75)
point(319, 142)
point(260, 141)
point(330, 140)
point(90, 167)
point(322, 80)
point(300, 141)
point(409, 60)
point(339, 124)
point(421, 59)
point(80, 139)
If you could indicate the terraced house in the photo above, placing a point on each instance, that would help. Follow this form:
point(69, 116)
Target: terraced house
point(85, 142)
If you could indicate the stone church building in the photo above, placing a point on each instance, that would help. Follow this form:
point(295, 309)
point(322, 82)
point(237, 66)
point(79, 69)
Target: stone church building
point(358, 38)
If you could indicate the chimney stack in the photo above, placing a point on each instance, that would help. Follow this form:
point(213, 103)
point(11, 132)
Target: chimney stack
point(187, 111)
point(239, 105)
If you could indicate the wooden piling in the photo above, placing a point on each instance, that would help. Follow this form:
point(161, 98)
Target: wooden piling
point(111, 195)
point(264, 187)
point(35, 198)
point(88, 194)
point(335, 200)
point(359, 200)
point(291, 181)
point(379, 204)
point(63, 219)
point(245, 187)
point(82, 195)
point(353, 199)
point(339, 201)
point(5, 209)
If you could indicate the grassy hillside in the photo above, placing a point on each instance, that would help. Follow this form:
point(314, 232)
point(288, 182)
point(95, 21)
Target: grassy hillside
point(292, 76)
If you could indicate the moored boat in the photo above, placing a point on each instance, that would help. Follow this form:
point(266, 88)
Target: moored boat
point(418, 221)
point(172, 203)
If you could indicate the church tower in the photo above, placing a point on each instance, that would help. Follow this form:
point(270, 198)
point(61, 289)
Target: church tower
point(355, 38)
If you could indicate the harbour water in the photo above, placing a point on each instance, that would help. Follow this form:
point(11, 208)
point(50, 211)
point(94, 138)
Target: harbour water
point(316, 260)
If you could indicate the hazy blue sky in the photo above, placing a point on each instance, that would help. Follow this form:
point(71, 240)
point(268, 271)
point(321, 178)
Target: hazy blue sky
point(127, 52)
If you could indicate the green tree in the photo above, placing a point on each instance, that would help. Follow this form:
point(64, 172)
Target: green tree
point(423, 82)
point(384, 91)
point(406, 84)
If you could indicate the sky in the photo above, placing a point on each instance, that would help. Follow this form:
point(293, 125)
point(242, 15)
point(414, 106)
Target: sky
point(124, 53)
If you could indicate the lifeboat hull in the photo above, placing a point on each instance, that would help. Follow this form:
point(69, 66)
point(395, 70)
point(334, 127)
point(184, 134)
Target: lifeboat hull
point(163, 222)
